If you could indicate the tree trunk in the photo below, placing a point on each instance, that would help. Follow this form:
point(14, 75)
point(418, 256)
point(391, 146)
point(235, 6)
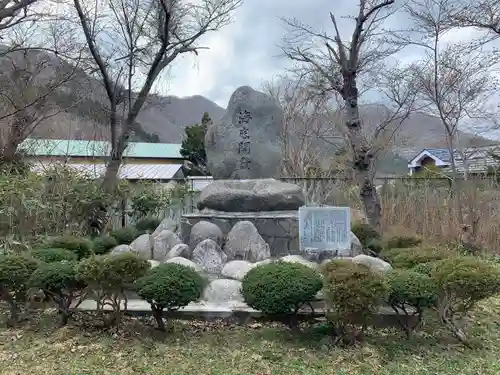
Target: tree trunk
point(362, 153)
point(456, 185)
point(14, 313)
point(64, 310)
point(113, 167)
point(158, 315)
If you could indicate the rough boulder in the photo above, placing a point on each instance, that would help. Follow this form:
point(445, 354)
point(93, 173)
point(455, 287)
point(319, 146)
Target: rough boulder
point(251, 196)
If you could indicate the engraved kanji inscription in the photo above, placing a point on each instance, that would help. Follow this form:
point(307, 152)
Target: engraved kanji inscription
point(244, 117)
point(244, 133)
point(245, 163)
point(243, 147)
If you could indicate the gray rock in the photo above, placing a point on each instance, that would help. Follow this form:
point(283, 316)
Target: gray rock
point(179, 250)
point(300, 260)
point(375, 264)
point(163, 242)
point(223, 290)
point(205, 230)
point(143, 246)
point(209, 256)
point(120, 249)
point(167, 224)
point(245, 243)
point(251, 196)
point(184, 262)
point(154, 263)
point(262, 262)
point(356, 247)
point(236, 269)
point(245, 143)
point(326, 261)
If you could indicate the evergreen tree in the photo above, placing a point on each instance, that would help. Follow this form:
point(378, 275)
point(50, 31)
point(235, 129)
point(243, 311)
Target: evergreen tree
point(193, 145)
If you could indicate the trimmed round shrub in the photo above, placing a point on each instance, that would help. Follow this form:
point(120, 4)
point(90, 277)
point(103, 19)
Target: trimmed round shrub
point(169, 286)
point(463, 281)
point(353, 294)
point(59, 282)
point(470, 279)
point(81, 246)
point(15, 271)
point(410, 290)
point(402, 242)
point(280, 287)
point(54, 255)
point(409, 258)
point(111, 272)
point(108, 276)
point(147, 225)
point(104, 244)
point(125, 236)
point(365, 233)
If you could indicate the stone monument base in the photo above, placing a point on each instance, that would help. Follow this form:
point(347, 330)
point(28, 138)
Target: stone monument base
point(280, 229)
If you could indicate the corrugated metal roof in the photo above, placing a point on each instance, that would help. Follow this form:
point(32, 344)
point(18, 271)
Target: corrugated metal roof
point(65, 147)
point(126, 172)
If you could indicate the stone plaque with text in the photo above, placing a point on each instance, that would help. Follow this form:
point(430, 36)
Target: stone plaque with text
point(325, 228)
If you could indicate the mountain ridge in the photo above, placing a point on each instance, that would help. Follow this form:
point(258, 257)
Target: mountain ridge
point(83, 114)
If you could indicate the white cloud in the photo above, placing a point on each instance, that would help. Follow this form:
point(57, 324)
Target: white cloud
point(198, 75)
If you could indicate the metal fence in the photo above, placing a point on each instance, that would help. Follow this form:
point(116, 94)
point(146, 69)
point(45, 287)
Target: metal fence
point(325, 191)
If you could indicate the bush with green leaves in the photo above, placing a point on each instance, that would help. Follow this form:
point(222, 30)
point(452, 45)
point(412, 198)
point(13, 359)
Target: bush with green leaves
point(374, 247)
point(365, 233)
point(280, 288)
point(15, 271)
point(402, 242)
point(126, 235)
point(59, 283)
point(148, 199)
point(147, 225)
point(353, 293)
point(410, 290)
point(462, 282)
point(81, 246)
point(169, 287)
point(425, 268)
point(54, 255)
point(410, 257)
point(107, 276)
point(104, 244)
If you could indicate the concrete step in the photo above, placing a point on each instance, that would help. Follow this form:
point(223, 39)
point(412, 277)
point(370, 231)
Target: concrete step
point(238, 312)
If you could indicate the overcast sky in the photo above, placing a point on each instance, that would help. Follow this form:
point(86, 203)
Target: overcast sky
point(246, 52)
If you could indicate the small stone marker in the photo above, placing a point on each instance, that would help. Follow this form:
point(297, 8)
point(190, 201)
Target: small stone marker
point(325, 229)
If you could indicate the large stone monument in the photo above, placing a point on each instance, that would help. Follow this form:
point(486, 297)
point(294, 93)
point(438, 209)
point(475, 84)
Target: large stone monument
point(244, 155)
point(245, 143)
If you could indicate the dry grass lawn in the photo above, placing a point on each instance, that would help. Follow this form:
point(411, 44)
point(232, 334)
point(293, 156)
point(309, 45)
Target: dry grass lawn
point(39, 347)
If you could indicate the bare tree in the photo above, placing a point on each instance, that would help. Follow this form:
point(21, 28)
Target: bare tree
point(307, 122)
point(483, 15)
point(454, 78)
point(31, 83)
point(13, 12)
point(132, 42)
point(311, 140)
point(341, 68)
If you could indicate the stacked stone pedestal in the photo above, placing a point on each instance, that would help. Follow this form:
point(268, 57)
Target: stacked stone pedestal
point(280, 229)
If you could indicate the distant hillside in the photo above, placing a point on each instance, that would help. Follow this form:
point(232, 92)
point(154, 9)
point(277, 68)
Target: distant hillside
point(83, 105)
